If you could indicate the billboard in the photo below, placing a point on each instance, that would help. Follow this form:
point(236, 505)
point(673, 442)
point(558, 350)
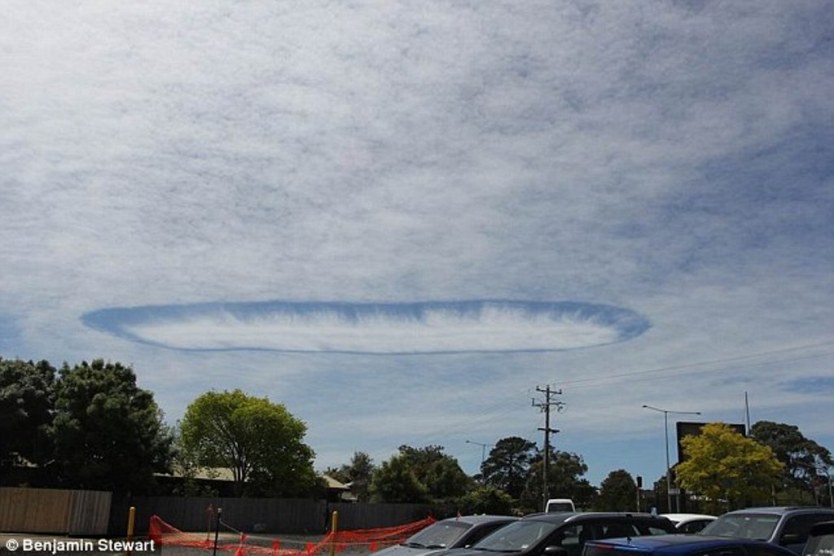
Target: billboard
point(685, 429)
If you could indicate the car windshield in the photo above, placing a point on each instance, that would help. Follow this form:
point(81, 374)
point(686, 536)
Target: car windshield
point(438, 535)
point(743, 526)
point(517, 536)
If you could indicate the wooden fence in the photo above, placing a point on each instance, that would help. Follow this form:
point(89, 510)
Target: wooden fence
point(64, 512)
point(94, 513)
point(262, 515)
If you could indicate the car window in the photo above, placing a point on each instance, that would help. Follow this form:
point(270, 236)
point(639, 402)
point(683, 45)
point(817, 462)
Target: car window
point(693, 526)
point(820, 545)
point(517, 536)
point(574, 537)
point(619, 529)
point(476, 534)
point(797, 527)
point(654, 529)
point(744, 526)
point(438, 535)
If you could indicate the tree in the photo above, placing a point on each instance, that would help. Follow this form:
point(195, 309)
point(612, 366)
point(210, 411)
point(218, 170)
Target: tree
point(802, 458)
point(27, 394)
point(358, 474)
point(109, 434)
point(438, 472)
point(395, 481)
point(618, 492)
point(486, 500)
point(260, 441)
point(727, 468)
point(564, 480)
point(508, 466)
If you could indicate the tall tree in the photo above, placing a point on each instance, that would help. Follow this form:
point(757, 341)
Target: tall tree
point(564, 480)
point(440, 473)
point(26, 401)
point(109, 433)
point(260, 441)
point(508, 465)
point(618, 492)
point(803, 459)
point(723, 465)
point(395, 481)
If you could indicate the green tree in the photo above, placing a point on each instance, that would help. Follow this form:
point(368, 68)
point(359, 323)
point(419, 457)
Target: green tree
point(260, 441)
point(618, 492)
point(395, 481)
point(486, 500)
point(440, 473)
point(109, 433)
point(727, 468)
point(802, 458)
point(508, 466)
point(27, 394)
point(564, 480)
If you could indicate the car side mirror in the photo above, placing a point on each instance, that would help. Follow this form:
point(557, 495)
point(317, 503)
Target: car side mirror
point(556, 550)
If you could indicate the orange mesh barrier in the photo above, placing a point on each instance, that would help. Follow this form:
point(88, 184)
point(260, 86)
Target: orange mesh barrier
point(361, 540)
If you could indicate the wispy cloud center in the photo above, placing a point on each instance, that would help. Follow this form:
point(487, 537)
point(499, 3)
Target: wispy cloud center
point(383, 328)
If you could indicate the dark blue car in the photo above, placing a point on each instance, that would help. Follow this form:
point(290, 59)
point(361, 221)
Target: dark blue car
point(683, 545)
point(784, 526)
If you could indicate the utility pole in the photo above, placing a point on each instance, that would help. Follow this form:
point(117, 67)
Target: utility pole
point(545, 407)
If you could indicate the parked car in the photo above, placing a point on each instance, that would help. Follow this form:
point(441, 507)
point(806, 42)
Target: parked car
point(689, 523)
point(454, 532)
point(683, 545)
point(559, 505)
point(785, 526)
point(563, 533)
point(820, 540)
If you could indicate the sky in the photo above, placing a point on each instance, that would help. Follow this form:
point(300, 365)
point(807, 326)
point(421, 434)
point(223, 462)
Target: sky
point(404, 220)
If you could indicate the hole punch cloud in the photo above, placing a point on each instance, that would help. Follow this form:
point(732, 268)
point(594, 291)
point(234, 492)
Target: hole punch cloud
point(373, 328)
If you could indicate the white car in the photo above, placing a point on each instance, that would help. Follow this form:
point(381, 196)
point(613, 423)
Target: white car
point(689, 523)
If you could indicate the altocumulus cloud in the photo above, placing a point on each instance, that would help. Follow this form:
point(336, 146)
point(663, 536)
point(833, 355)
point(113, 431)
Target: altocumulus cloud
point(382, 328)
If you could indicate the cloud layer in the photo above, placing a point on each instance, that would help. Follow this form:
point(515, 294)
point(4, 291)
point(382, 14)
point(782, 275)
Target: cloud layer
point(169, 170)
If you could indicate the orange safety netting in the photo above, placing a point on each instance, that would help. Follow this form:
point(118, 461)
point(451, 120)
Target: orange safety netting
point(363, 540)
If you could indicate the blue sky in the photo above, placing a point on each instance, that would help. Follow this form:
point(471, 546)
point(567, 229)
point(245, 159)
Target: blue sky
point(399, 219)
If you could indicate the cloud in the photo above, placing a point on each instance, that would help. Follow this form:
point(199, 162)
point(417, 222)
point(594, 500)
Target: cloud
point(405, 328)
point(181, 180)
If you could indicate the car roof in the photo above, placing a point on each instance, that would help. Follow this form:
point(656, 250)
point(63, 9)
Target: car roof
point(674, 541)
point(564, 517)
point(478, 519)
point(782, 510)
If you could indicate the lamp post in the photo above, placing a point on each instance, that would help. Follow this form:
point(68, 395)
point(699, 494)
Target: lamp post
point(483, 455)
point(666, 413)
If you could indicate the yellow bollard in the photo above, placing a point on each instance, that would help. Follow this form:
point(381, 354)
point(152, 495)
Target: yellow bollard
point(334, 526)
point(131, 521)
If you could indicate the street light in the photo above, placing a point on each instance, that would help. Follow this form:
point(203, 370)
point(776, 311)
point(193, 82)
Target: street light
point(666, 413)
point(483, 454)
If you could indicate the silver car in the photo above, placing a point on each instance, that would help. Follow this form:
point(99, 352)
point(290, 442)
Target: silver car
point(455, 532)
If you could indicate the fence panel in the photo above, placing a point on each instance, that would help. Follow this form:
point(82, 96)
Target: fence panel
point(370, 516)
point(89, 513)
point(31, 510)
